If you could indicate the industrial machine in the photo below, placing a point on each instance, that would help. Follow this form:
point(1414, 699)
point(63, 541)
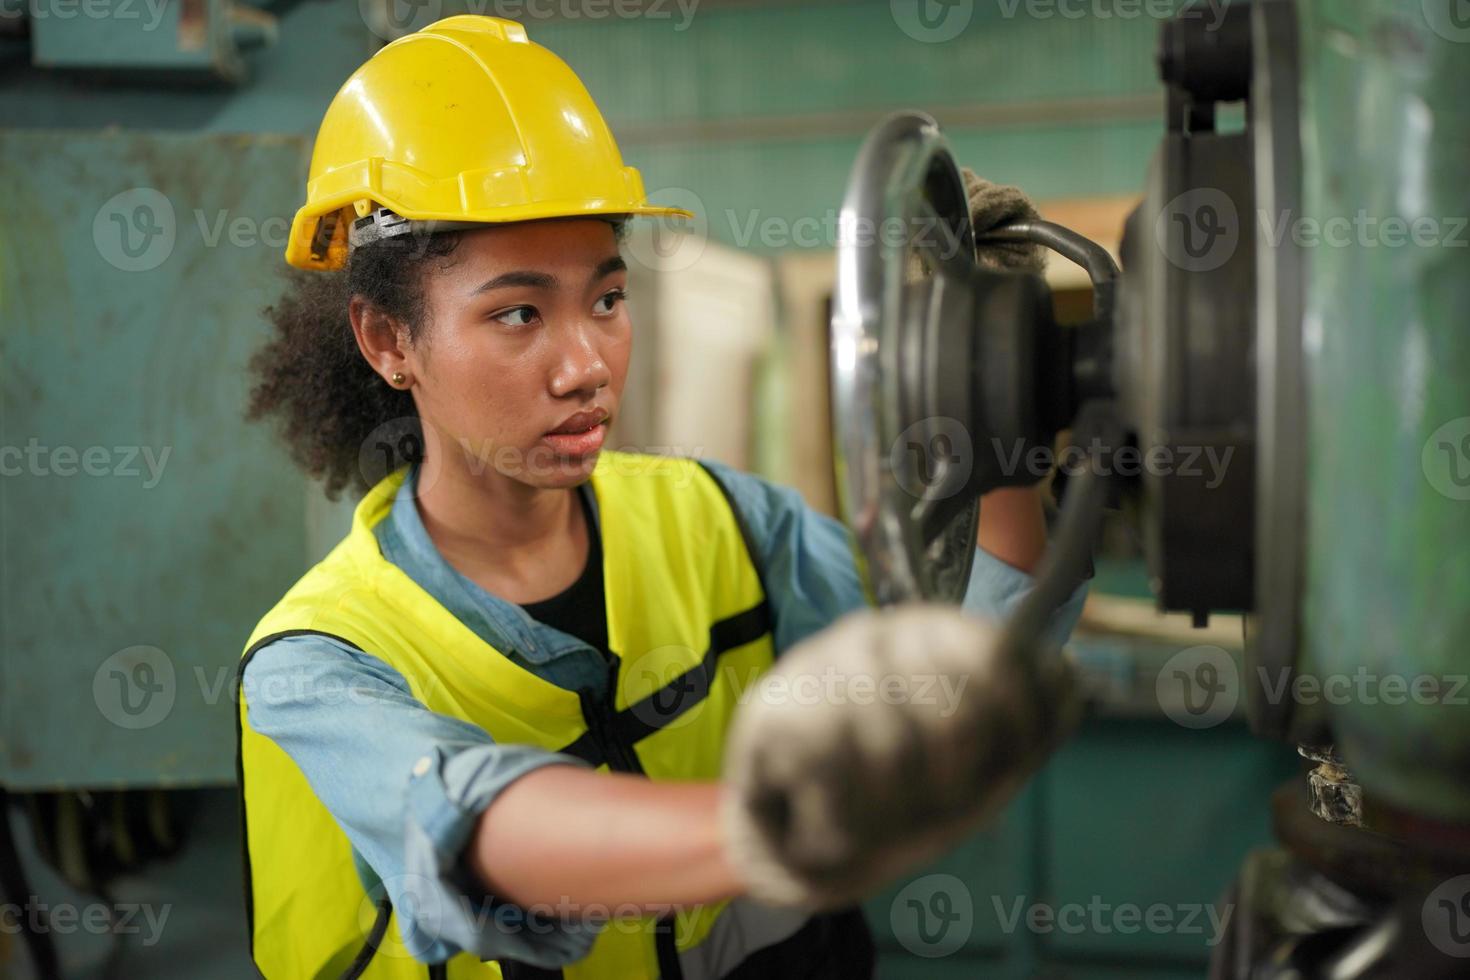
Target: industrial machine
point(1329, 368)
point(1292, 299)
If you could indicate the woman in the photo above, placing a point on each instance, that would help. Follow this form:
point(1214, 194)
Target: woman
point(516, 607)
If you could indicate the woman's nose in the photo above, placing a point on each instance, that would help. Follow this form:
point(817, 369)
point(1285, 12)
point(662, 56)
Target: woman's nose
point(580, 364)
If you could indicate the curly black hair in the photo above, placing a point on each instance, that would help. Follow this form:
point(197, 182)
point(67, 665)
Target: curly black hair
point(313, 382)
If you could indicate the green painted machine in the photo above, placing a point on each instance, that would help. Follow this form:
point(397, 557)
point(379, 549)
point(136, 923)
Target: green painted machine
point(1293, 299)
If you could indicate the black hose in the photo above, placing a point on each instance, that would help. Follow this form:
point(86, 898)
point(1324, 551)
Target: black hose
point(1067, 561)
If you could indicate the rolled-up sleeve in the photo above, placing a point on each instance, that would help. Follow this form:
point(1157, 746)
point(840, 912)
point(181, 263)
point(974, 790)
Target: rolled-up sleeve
point(811, 576)
point(805, 556)
point(997, 588)
point(406, 785)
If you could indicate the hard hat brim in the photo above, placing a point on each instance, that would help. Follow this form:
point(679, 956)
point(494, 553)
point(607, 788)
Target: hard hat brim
point(303, 253)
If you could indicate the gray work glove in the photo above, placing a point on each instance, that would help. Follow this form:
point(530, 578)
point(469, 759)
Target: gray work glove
point(993, 205)
point(838, 785)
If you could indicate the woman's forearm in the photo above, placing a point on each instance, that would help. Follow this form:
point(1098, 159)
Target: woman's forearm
point(565, 836)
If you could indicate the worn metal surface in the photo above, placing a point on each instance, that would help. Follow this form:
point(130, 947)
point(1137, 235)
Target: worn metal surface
point(199, 38)
point(1387, 136)
point(132, 271)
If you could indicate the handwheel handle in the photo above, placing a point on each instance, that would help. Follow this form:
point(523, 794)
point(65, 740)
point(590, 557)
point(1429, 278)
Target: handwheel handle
point(1080, 249)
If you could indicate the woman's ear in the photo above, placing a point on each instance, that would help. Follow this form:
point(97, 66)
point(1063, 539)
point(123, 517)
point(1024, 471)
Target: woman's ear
point(382, 340)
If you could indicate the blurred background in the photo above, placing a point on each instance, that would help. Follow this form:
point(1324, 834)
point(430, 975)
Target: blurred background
point(152, 154)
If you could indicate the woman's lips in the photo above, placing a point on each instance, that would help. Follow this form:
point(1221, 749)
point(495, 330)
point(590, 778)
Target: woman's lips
point(577, 443)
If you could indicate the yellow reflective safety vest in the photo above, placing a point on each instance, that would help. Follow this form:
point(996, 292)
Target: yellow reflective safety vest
point(689, 628)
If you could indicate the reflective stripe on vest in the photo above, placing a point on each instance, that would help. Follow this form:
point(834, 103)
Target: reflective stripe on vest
point(689, 628)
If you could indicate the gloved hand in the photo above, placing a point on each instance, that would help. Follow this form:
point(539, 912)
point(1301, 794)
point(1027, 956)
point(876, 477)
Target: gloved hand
point(838, 785)
point(993, 205)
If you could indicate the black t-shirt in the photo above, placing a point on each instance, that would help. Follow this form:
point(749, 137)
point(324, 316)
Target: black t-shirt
point(581, 609)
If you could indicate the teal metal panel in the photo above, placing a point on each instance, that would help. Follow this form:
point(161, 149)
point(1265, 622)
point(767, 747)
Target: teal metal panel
point(784, 195)
point(1387, 138)
point(287, 88)
point(1131, 815)
point(944, 910)
point(736, 60)
point(758, 113)
point(194, 36)
point(791, 87)
point(146, 527)
point(898, 966)
point(1117, 971)
point(1144, 814)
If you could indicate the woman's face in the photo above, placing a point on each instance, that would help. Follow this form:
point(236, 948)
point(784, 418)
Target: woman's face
point(526, 329)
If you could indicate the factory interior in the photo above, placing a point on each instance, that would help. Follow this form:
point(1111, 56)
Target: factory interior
point(1134, 465)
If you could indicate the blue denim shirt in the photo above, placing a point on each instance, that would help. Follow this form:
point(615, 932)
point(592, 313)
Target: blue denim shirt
point(406, 784)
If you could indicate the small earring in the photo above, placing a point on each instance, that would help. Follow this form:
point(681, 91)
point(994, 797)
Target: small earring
point(398, 378)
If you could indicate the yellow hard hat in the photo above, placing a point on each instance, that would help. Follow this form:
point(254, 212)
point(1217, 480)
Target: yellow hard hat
point(467, 120)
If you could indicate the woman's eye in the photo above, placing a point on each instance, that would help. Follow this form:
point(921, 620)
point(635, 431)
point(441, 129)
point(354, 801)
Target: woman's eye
point(610, 299)
point(517, 316)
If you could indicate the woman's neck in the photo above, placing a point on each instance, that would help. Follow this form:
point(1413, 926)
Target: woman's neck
point(515, 540)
